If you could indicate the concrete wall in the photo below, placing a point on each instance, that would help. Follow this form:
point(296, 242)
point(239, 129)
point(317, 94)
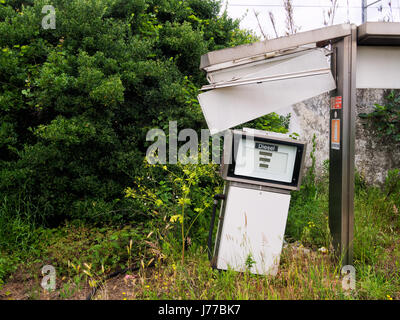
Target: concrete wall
point(373, 159)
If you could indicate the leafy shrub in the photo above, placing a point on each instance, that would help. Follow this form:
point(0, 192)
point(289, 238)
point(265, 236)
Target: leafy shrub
point(76, 101)
point(183, 198)
point(270, 122)
point(308, 213)
point(7, 265)
point(385, 120)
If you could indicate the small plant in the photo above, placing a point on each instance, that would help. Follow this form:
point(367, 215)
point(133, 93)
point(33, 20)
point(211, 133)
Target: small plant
point(385, 119)
point(188, 194)
point(359, 182)
point(249, 261)
point(308, 213)
point(392, 183)
point(67, 290)
point(309, 185)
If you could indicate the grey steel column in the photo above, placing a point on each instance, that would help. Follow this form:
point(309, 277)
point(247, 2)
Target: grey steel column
point(341, 170)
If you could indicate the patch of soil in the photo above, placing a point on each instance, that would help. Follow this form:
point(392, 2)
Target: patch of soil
point(24, 286)
point(117, 288)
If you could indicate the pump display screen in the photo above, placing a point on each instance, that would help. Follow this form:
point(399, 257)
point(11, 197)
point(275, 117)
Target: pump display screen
point(266, 160)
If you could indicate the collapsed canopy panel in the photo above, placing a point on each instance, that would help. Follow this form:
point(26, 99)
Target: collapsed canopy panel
point(247, 92)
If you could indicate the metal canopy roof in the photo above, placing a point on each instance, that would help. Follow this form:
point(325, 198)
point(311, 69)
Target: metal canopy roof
point(370, 33)
point(379, 34)
point(260, 48)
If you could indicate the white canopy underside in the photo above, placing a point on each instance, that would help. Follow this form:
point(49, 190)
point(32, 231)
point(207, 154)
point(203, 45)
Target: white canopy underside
point(378, 67)
point(248, 92)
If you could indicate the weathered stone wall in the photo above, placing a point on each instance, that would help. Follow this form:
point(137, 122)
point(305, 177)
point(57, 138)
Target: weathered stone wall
point(372, 159)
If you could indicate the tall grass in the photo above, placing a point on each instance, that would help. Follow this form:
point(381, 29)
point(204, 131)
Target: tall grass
point(300, 277)
point(19, 235)
point(304, 273)
point(377, 240)
point(17, 224)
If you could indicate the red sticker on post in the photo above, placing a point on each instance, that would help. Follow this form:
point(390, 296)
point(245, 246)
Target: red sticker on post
point(335, 134)
point(336, 103)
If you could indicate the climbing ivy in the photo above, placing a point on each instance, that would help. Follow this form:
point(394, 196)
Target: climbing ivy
point(385, 119)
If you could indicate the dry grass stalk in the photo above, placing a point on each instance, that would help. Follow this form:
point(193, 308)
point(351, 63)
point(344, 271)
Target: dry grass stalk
point(257, 14)
point(291, 27)
point(272, 19)
point(329, 16)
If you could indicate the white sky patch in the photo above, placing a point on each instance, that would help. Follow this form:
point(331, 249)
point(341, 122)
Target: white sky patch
point(308, 14)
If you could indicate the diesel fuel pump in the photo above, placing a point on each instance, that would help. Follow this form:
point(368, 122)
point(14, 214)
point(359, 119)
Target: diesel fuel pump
point(260, 169)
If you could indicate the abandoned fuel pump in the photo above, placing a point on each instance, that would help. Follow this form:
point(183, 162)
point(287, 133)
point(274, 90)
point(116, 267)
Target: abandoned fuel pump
point(260, 169)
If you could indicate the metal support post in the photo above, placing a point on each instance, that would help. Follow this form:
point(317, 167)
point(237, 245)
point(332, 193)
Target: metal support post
point(342, 147)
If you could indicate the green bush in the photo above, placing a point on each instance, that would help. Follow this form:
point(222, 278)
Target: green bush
point(385, 119)
point(270, 122)
point(77, 101)
point(308, 213)
point(179, 196)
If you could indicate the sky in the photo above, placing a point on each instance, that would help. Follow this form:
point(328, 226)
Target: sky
point(308, 14)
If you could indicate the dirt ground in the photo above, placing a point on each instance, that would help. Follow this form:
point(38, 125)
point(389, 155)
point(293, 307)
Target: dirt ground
point(22, 286)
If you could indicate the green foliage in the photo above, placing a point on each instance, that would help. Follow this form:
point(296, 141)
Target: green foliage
point(308, 221)
point(249, 263)
point(181, 195)
point(270, 122)
point(104, 248)
point(376, 242)
point(300, 277)
point(308, 213)
point(392, 185)
point(309, 185)
point(8, 264)
point(18, 229)
point(385, 119)
point(312, 275)
point(101, 248)
point(76, 102)
point(359, 182)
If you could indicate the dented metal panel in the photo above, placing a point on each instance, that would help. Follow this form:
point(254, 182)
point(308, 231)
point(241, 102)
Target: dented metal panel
point(251, 229)
point(228, 107)
point(279, 44)
point(254, 90)
point(264, 67)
